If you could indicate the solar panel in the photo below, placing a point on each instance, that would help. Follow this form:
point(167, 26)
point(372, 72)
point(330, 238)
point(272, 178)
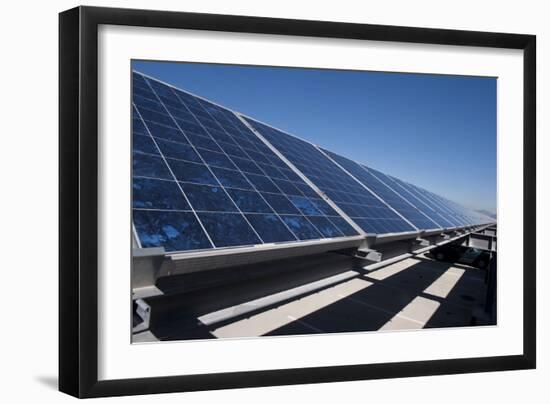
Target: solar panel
point(358, 203)
point(455, 212)
point(465, 215)
point(470, 216)
point(369, 179)
point(203, 180)
point(443, 206)
point(418, 204)
point(433, 199)
point(476, 217)
point(436, 213)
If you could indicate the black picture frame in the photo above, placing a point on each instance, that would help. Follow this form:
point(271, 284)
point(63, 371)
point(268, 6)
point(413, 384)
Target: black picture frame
point(78, 206)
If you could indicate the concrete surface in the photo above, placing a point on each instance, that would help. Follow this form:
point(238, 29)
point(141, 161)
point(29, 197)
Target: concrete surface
point(411, 294)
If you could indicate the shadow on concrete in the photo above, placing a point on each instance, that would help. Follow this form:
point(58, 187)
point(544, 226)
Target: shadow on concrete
point(176, 316)
point(366, 310)
point(371, 308)
point(458, 308)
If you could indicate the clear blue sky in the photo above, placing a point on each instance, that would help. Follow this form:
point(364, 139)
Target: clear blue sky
point(438, 132)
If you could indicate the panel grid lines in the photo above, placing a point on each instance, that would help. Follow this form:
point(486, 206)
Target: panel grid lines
point(380, 177)
point(204, 162)
point(453, 207)
point(181, 190)
point(441, 206)
point(308, 181)
point(358, 203)
point(437, 203)
point(444, 217)
point(349, 169)
point(243, 172)
point(245, 132)
point(206, 150)
point(209, 185)
point(206, 177)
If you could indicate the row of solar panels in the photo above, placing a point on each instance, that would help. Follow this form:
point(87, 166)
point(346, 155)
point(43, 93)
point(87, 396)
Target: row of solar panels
point(205, 177)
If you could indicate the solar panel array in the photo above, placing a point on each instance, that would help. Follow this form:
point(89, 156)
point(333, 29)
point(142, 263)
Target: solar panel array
point(364, 176)
point(361, 205)
point(432, 209)
point(203, 179)
point(434, 217)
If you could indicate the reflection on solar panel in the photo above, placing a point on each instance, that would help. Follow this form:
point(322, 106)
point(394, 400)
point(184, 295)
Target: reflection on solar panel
point(364, 176)
point(205, 177)
point(369, 212)
point(202, 179)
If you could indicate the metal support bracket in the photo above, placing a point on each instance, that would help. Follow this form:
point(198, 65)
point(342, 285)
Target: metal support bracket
point(368, 254)
point(143, 310)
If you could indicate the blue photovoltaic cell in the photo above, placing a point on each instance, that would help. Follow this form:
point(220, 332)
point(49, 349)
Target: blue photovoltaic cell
point(175, 231)
point(197, 173)
point(149, 193)
point(372, 182)
point(152, 166)
point(228, 229)
point(208, 198)
point(270, 228)
point(372, 215)
point(249, 201)
point(177, 150)
point(301, 227)
point(144, 144)
point(197, 161)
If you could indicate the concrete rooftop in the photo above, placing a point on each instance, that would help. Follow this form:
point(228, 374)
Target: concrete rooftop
point(322, 294)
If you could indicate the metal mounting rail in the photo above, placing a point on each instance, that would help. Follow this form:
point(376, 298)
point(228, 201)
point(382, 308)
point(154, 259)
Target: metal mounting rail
point(150, 264)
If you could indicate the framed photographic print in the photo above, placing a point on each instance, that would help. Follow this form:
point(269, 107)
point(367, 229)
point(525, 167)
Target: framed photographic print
point(250, 201)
